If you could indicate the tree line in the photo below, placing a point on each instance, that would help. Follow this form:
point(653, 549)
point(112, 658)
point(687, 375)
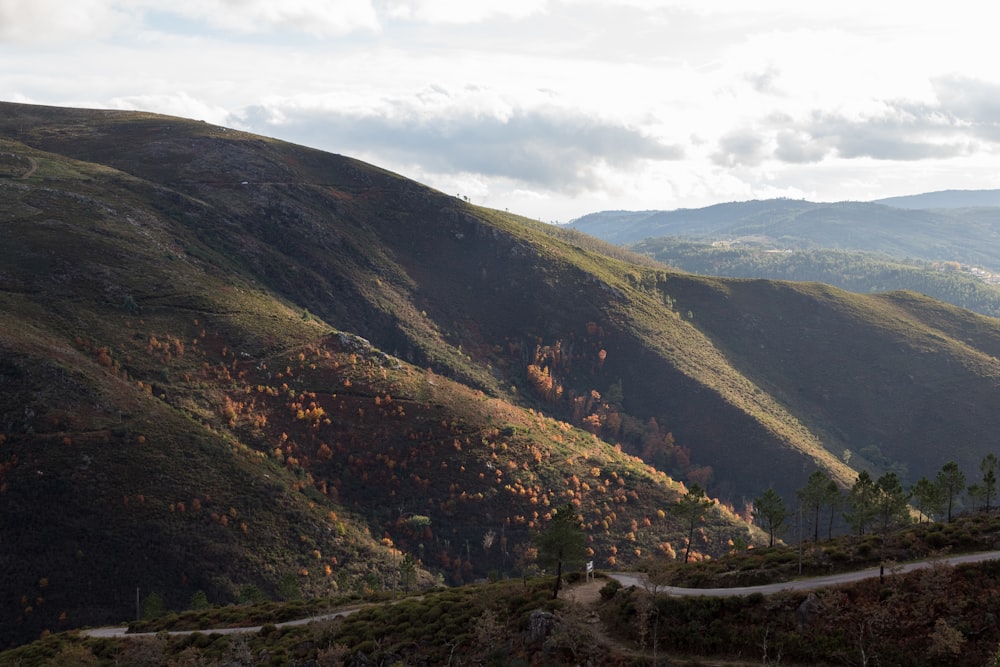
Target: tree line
point(878, 504)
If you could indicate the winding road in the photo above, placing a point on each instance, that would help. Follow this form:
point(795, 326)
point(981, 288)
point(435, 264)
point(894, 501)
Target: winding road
point(812, 583)
point(624, 578)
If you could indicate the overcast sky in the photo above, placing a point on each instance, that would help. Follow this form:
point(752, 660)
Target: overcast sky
point(554, 109)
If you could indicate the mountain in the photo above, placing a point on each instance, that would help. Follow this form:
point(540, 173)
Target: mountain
point(968, 236)
point(946, 199)
point(963, 286)
point(234, 365)
point(178, 412)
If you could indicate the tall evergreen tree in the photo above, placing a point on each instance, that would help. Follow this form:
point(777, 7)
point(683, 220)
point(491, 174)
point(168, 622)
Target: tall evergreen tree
point(690, 509)
point(890, 501)
point(769, 512)
point(928, 497)
point(861, 503)
point(834, 499)
point(562, 543)
point(952, 483)
point(813, 497)
point(988, 467)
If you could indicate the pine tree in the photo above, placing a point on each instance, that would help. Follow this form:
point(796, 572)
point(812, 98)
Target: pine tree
point(769, 511)
point(561, 543)
point(690, 509)
point(861, 503)
point(952, 483)
point(988, 467)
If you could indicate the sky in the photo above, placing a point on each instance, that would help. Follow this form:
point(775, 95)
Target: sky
point(554, 109)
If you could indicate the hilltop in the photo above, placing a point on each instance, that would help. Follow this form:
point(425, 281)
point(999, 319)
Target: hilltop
point(233, 365)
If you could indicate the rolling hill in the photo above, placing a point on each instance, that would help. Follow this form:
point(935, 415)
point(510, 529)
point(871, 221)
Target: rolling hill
point(234, 365)
point(966, 287)
point(966, 235)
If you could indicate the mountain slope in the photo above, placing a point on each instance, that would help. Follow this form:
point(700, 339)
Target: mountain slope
point(178, 415)
point(946, 199)
point(356, 367)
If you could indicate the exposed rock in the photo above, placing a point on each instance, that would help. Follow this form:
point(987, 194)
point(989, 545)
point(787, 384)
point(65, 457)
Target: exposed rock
point(540, 624)
point(807, 611)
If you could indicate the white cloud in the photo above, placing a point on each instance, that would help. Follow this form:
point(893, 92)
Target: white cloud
point(461, 11)
point(319, 18)
point(179, 104)
point(51, 21)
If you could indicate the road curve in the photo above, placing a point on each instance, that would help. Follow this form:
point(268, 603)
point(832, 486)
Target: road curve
point(122, 631)
point(812, 583)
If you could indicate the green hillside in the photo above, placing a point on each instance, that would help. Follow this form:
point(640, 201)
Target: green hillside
point(233, 365)
point(854, 271)
point(178, 412)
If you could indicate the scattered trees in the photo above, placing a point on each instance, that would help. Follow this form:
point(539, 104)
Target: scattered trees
point(820, 491)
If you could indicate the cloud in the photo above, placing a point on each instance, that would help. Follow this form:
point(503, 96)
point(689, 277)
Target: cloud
point(969, 103)
point(179, 104)
point(799, 147)
point(462, 11)
point(888, 138)
point(47, 21)
point(552, 148)
point(320, 18)
point(740, 148)
point(963, 118)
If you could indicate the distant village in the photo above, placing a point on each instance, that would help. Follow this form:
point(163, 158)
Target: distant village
point(988, 277)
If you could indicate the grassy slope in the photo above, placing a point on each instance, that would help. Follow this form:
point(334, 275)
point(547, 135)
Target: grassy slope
point(156, 359)
point(209, 265)
point(453, 287)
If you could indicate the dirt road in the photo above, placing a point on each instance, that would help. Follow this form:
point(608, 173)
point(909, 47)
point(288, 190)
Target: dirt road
point(638, 579)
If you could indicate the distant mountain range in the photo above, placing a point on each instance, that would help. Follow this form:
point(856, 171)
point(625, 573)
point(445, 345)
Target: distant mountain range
point(965, 235)
point(946, 199)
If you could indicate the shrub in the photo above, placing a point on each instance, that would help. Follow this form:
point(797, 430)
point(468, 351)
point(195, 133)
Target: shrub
point(609, 589)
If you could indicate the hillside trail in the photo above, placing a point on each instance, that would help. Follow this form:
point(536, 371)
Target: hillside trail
point(588, 595)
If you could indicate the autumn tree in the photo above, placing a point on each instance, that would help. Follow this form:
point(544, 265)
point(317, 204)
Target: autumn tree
point(769, 512)
point(952, 483)
point(561, 543)
point(690, 509)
